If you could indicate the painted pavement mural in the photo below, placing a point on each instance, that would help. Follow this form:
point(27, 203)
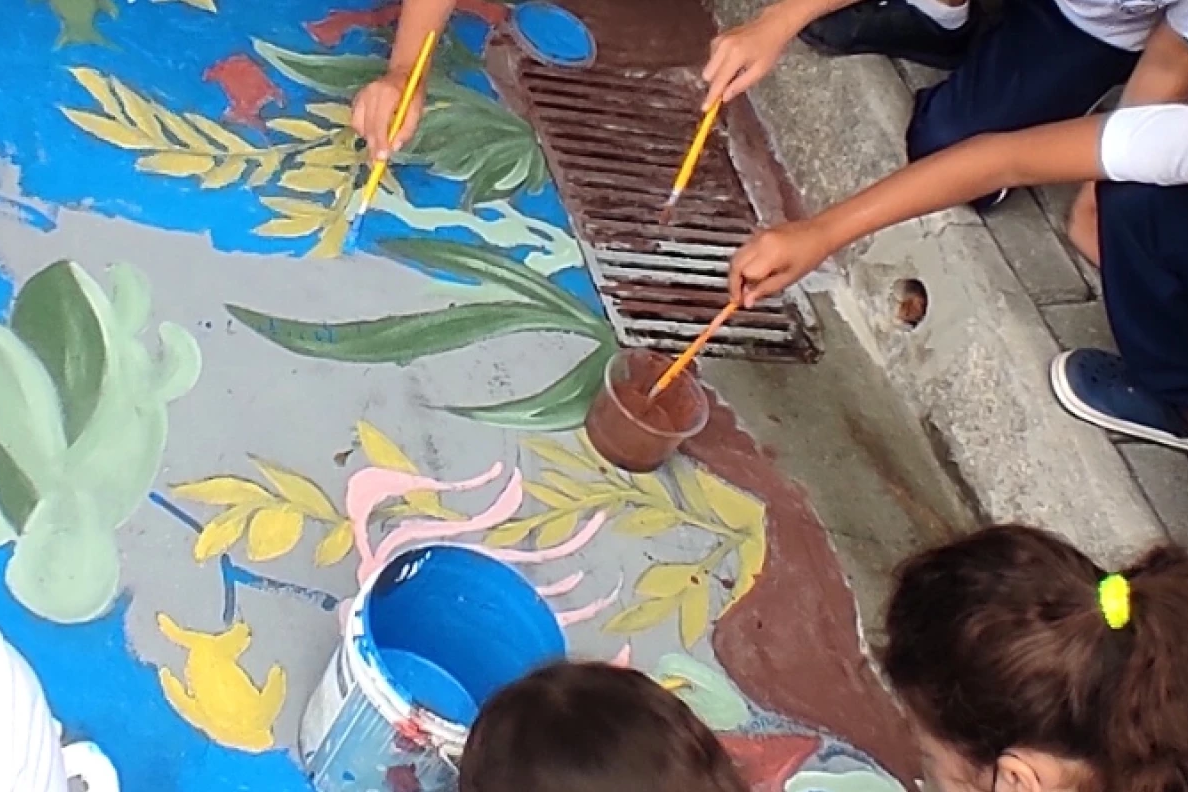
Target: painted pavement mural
point(212, 426)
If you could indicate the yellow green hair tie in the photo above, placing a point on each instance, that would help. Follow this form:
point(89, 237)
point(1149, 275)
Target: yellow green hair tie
point(1113, 595)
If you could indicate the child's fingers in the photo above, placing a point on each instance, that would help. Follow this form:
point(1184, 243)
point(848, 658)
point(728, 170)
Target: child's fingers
point(379, 119)
point(411, 121)
point(725, 73)
point(359, 116)
point(742, 82)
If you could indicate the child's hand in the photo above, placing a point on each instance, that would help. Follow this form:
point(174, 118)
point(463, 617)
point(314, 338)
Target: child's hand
point(774, 259)
point(374, 109)
point(741, 57)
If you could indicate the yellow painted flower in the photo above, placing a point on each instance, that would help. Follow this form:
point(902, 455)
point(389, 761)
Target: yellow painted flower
point(218, 696)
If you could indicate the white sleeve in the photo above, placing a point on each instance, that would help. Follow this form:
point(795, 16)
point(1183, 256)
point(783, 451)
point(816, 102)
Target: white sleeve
point(1177, 17)
point(1147, 145)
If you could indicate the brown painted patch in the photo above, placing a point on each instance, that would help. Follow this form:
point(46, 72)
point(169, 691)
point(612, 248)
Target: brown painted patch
point(791, 644)
point(651, 35)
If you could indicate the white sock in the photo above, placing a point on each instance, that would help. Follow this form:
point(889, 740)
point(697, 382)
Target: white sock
point(948, 17)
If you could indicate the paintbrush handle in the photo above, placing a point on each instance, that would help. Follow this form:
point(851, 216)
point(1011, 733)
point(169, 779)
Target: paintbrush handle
point(406, 98)
point(691, 157)
point(681, 363)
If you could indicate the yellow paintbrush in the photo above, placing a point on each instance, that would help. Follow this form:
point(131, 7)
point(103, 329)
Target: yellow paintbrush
point(685, 174)
point(378, 168)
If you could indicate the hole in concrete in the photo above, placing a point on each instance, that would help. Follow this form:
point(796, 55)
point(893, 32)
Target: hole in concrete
point(910, 301)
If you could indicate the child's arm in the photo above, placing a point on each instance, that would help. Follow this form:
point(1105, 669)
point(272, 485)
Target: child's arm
point(375, 105)
point(1146, 144)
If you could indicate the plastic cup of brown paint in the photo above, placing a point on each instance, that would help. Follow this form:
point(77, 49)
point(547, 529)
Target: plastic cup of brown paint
point(635, 433)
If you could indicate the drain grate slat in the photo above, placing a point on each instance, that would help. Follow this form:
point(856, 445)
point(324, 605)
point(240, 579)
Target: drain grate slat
point(614, 140)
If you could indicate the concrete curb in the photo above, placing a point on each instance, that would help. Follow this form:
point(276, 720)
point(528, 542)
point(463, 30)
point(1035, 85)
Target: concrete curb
point(975, 371)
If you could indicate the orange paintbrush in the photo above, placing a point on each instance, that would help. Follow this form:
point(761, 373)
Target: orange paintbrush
point(681, 363)
point(685, 174)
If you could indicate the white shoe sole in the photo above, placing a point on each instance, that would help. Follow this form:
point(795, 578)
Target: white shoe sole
point(1069, 401)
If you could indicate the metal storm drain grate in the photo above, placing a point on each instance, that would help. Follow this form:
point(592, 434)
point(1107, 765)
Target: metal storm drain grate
point(614, 141)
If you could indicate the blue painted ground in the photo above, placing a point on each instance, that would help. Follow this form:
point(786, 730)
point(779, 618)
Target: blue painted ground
point(162, 49)
point(99, 689)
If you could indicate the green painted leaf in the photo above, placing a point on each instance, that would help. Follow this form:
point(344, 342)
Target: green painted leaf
point(332, 75)
point(404, 339)
point(561, 406)
point(18, 496)
point(53, 316)
point(489, 266)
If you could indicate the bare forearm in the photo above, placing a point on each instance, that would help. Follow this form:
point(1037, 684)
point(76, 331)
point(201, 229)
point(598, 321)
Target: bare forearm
point(1055, 153)
point(417, 19)
point(1161, 75)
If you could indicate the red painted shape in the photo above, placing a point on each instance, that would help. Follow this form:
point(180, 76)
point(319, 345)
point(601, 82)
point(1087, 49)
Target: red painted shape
point(329, 32)
point(402, 778)
point(247, 87)
point(767, 761)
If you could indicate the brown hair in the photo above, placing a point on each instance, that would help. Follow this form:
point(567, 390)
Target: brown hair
point(998, 641)
point(591, 727)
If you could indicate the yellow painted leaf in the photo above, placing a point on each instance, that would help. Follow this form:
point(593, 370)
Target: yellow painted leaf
point(298, 128)
point(668, 580)
point(224, 491)
point(650, 485)
point(330, 243)
point(513, 532)
point(274, 532)
point(299, 491)
point(559, 455)
point(695, 616)
point(224, 174)
point(550, 498)
point(294, 207)
point(566, 485)
point(643, 616)
point(556, 530)
point(220, 533)
point(218, 133)
point(98, 87)
point(182, 130)
point(267, 165)
point(140, 111)
point(203, 5)
point(647, 522)
point(591, 453)
point(116, 133)
point(734, 508)
point(752, 552)
point(313, 180)
point(289, 227)
point(685, 473)
point(335, 545)
point(175, 163)
point(329, 156)
point(333, 112)
point(381, 451)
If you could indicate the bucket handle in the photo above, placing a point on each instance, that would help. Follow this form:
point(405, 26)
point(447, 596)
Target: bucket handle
point(90, 765)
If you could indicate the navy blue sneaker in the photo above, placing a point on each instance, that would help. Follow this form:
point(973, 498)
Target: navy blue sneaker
point(1096, 387)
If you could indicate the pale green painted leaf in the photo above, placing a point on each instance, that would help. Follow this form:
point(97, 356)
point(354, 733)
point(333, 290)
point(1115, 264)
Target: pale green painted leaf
point(54, 317)
point(334, 75)
point(404, 339)
point(709, 693)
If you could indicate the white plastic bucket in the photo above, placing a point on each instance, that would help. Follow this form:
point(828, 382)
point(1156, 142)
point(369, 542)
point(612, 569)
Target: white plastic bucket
point(429, 637)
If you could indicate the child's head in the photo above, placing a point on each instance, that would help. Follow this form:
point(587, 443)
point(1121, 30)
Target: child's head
point(591, 727)
point(999, 647)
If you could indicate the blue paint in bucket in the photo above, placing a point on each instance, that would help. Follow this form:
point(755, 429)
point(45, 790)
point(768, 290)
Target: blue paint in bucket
point(477, 621)
point(552, 35)
point(429, 639)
